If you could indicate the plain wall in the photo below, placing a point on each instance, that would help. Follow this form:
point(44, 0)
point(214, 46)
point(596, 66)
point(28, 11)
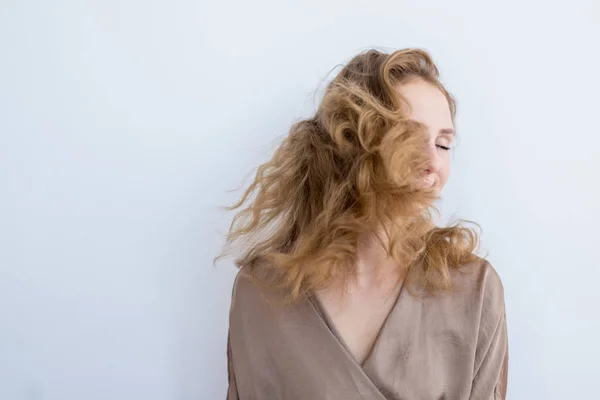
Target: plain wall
point(124, 122)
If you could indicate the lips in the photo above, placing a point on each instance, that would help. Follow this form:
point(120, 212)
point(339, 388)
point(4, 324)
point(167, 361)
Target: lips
point(427, 182)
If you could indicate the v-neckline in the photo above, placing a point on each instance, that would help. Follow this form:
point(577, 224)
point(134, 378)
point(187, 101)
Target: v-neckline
point(313, 298)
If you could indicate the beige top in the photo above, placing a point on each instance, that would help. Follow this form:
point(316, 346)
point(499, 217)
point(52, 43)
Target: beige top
point(452, 346)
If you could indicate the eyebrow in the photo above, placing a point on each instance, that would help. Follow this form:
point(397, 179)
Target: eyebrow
point(447, 131)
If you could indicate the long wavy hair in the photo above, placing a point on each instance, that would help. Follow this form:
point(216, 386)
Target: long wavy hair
point(350, 169)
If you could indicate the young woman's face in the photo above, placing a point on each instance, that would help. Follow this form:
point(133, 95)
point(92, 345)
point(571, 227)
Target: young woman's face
point(430, 107)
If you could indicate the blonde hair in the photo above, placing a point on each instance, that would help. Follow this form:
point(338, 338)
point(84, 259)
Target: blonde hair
point(349, 169)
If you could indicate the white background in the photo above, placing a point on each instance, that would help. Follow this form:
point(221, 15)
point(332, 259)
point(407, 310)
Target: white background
point(124, 122)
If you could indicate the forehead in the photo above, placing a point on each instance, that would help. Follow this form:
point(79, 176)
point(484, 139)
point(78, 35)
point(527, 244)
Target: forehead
point(427, 104)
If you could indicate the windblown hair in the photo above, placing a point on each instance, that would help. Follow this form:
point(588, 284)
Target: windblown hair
point(351, 169)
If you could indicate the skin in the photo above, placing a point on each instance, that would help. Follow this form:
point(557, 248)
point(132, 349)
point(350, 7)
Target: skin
point(429, 106)
point(359, 315)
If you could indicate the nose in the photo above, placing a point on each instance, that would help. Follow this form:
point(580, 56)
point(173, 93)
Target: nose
point(434, 164)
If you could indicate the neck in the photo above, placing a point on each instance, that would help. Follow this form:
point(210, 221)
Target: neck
point(373, 265)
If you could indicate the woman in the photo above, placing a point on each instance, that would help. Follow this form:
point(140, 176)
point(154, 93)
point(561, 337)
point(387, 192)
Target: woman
point(347, 289)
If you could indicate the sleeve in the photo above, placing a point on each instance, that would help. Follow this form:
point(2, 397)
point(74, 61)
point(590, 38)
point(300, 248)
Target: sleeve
point(491, 367)
point(232, 388)
point(232, 393)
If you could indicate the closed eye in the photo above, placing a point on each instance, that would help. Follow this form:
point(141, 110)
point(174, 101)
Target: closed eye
point(446, 148)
